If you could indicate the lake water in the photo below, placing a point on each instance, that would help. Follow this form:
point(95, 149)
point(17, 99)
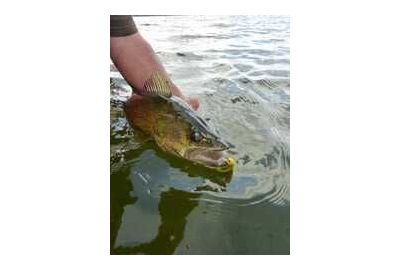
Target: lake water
point(238, 66)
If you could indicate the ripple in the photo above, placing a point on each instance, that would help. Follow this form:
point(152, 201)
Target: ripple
point(243, 67)
point(276, 196)
point(223, 25)
point(195, 37)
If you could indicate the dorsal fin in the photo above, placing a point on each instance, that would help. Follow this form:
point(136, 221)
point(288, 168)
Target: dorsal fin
point(157, 85)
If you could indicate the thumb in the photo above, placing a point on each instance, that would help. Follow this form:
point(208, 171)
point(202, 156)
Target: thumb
point(193, 102)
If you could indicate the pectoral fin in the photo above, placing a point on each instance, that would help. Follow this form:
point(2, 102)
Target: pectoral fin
point(157, 85)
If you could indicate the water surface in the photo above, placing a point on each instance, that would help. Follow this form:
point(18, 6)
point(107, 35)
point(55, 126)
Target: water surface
point(238, 66)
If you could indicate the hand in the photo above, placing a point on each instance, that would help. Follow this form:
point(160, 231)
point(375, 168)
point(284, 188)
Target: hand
point(193, 102)
point(136, 61)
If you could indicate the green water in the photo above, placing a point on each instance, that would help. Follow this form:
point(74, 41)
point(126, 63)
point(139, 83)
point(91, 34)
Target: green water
point(239, 69)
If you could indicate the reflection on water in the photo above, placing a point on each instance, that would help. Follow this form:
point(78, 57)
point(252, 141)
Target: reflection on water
point(174, 206)
point(238, 66)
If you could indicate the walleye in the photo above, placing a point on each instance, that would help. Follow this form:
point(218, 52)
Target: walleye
point(175, 127)
point(178, 130)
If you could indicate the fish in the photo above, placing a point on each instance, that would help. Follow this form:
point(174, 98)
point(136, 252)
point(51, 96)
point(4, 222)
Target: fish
point(178, 130)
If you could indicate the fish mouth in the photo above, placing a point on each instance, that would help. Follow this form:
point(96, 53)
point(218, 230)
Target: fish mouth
point(215, 158)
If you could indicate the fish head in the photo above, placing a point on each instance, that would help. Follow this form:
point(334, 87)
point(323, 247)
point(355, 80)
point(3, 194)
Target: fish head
point(207, 149)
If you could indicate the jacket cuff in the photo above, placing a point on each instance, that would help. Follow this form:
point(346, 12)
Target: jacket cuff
point(122, 25)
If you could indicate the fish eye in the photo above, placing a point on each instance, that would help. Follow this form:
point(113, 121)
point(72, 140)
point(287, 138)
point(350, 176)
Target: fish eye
point(196, 136)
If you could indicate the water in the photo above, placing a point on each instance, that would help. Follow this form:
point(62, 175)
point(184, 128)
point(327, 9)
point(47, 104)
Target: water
point(238, 66)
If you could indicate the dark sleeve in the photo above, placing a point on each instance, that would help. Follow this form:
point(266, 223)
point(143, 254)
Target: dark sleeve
point(122, 25)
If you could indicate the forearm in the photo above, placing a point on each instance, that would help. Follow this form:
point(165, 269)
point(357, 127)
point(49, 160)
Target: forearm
point(135, 59)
